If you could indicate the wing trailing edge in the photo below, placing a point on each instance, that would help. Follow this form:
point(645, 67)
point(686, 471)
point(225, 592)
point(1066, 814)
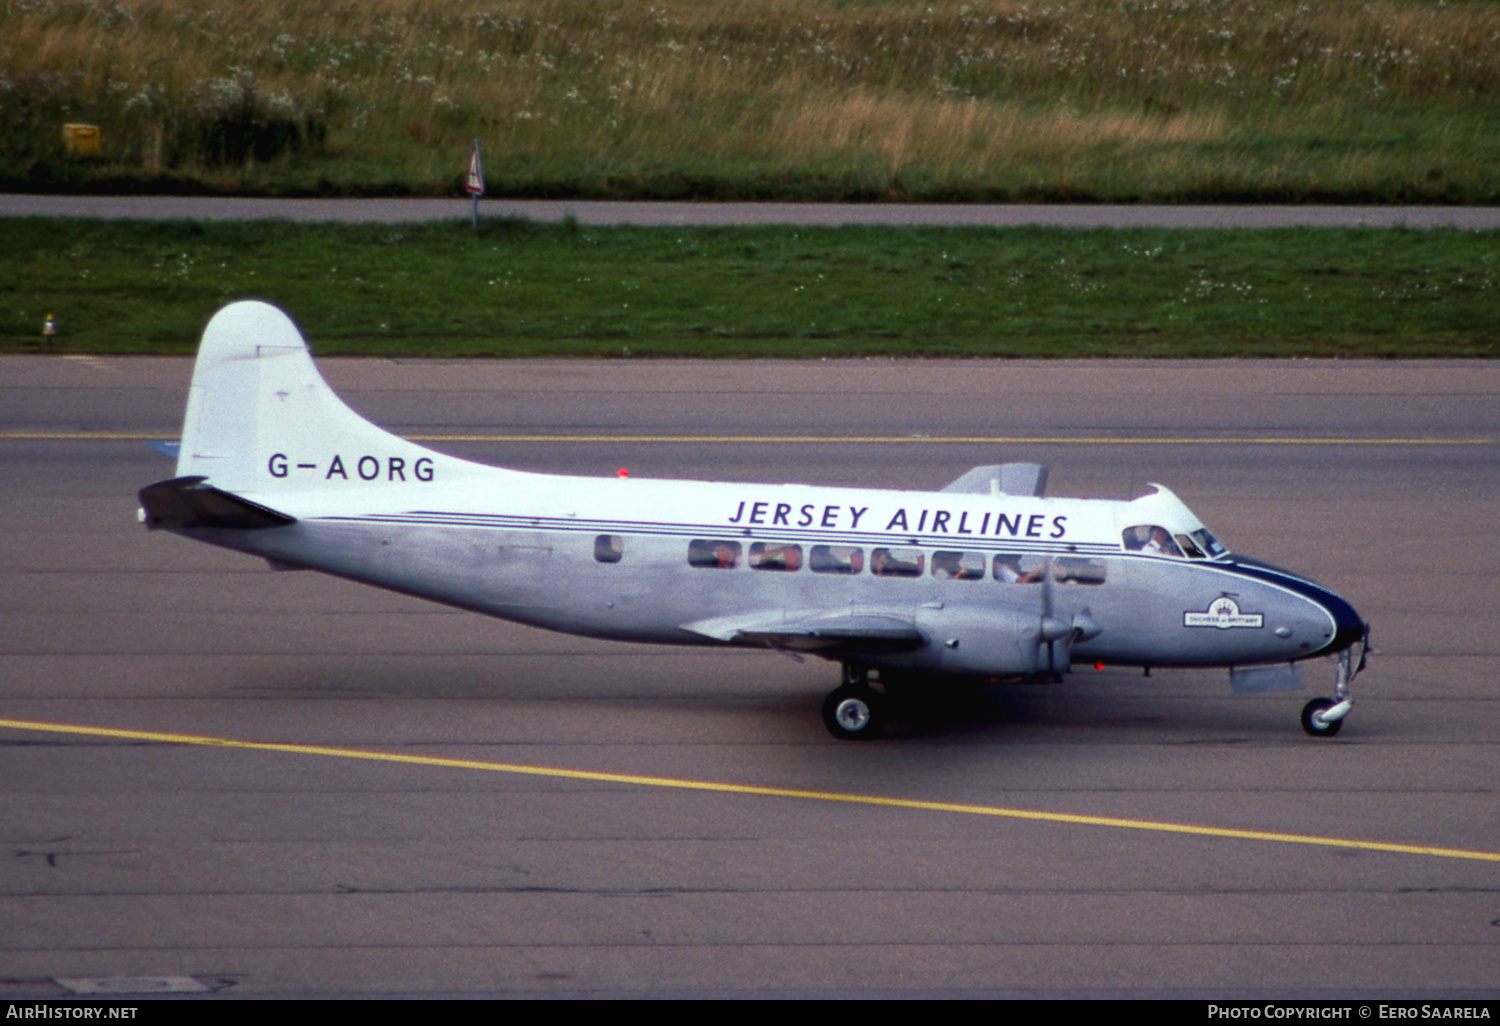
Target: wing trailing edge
point(817, 632)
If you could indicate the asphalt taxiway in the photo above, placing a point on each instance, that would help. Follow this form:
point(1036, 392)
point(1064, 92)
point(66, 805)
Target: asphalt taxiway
point(440, 804)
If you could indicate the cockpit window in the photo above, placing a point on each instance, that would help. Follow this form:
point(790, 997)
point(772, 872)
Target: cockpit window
point(1189, 547)
point(1208, 543)
point(1151, 539)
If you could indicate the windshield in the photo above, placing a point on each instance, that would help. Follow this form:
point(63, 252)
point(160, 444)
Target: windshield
point(1163, 526)
point(1156, 540)
point(1208, 543)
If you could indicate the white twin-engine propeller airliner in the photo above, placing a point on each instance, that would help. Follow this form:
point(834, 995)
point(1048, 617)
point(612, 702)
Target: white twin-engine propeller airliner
point(909, 591)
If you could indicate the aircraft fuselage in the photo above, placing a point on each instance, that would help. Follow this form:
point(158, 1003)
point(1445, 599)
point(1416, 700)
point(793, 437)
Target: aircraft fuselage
point(987, 578)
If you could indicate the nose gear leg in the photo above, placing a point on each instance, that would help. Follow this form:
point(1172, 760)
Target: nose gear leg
point(1323, 717)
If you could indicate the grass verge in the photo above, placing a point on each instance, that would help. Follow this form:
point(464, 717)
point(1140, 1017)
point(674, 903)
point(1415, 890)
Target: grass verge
point(516, 288)
point(1389, 101)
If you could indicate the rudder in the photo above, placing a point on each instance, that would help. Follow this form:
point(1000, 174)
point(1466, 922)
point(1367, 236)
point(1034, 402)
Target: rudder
point(260, 418)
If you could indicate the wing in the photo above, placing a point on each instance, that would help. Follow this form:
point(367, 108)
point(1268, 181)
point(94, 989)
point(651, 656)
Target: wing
point(816, 631)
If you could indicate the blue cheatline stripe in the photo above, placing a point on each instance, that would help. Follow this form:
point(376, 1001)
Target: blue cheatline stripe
point(522, 522)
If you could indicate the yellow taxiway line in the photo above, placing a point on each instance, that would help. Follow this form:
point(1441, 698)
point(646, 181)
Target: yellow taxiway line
point(136, 436)
point(640, 780)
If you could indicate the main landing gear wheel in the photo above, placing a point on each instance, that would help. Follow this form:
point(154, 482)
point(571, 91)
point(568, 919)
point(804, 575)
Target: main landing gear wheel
point(1312, 721)
point(855, 712)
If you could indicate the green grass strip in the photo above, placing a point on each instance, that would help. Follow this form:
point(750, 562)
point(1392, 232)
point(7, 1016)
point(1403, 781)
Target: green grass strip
point(516, 288)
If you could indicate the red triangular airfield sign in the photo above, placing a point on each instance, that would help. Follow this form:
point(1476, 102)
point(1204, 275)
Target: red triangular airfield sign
point(474, 182)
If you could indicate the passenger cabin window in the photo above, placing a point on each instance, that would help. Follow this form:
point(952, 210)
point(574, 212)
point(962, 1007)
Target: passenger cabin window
point(897, 562)
point(775, 556)
point(713, 554)
point(836, 559)
point(958, 566)
point(1151, 539)
point(609, 548)
point(1078, 570)
point(1015, 568)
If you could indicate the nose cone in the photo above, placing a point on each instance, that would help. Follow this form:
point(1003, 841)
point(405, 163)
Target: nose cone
point(1347, 625)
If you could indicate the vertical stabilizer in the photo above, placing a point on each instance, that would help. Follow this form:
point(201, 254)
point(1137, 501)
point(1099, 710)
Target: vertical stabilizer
point(260, 418)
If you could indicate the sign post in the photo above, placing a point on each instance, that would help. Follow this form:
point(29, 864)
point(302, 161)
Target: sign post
point(474, 180)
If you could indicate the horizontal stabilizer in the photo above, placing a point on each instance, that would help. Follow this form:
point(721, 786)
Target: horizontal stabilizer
point(818, 632)
point(172, 449)
point(1003, 479)
point(185, 502)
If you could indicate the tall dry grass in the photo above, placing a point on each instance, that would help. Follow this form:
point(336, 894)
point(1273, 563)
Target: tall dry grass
point(890, 97)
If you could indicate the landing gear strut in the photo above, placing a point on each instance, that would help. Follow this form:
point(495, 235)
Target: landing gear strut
point(1322, 717)
point(855, 711)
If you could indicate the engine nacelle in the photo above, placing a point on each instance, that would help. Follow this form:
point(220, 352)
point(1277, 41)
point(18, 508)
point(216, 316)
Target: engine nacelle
point(993, 642)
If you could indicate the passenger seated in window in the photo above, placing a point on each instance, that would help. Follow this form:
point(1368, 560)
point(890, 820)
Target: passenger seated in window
point(837, 559)
point(958, 566)
point(1008, 569)
point(713, 553)
point(765, 556)
point(946, 565)
point(896, 562)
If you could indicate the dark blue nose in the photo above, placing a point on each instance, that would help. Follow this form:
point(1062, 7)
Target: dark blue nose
point(1348, 626)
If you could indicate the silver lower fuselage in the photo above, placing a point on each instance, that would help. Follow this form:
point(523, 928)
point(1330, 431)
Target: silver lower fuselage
point(1142, 610)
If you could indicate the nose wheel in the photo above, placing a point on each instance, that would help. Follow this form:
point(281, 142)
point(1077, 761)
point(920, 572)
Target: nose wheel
point(1322, 717)
point(1314, 719)
point(855, 711)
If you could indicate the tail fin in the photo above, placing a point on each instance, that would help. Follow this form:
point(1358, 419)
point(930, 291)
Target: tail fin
point(261, 419)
